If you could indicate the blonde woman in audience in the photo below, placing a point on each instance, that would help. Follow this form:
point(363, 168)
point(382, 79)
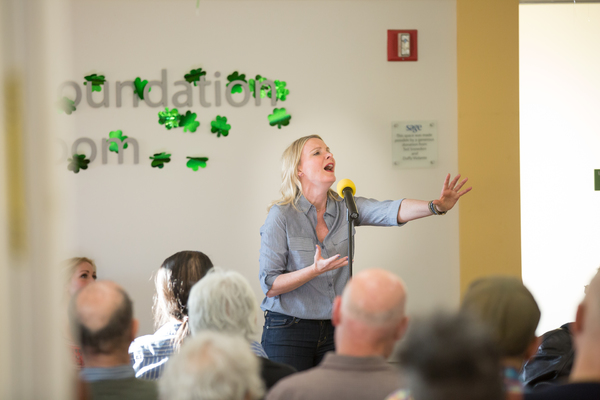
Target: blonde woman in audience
point(173, 282)
point(81, 271)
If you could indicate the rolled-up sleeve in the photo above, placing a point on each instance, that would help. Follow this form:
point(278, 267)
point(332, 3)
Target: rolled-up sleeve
point(273, 249)
point(378, 213)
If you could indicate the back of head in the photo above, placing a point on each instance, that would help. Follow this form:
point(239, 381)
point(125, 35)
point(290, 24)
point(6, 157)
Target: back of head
point(374, 297)
point(448, 357)
point(223, 301)
point(102, 317)
point(370, 316)
point(212, 366)
point(589, 325)
point(173, 282)
point(509, 310)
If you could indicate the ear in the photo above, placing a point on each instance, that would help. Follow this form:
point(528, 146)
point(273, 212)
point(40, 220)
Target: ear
point(336, 316)
point(578, 326)
point(402, 326)
point(135, 324)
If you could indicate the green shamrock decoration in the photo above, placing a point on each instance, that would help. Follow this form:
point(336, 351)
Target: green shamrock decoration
point(220, 126)
point(160, 159)
point(196, 162)
point(139, 86)
point(263, 89)
point(194, 76)
point(170, 119)
point(188, 121)
point(116, 135)
point(282, 92)
point(66, 105)
point(96, 80)
point(280, 117)
point(236, 77)
point(77, 162)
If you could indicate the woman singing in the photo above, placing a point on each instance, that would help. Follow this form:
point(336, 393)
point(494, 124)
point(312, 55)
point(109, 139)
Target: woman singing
point(304, 245)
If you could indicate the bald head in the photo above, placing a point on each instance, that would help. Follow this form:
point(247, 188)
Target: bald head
point(370, 315)
point(102, 316)
point(374, 297)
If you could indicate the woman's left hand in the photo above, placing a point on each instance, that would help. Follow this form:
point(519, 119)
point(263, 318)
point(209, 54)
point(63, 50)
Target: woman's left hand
point(451, 193)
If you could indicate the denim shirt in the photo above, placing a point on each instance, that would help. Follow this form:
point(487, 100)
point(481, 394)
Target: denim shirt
point(288, 243)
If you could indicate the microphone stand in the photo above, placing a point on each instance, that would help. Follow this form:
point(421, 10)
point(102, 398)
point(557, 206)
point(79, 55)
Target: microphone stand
point(350, 240)
point(352, 216)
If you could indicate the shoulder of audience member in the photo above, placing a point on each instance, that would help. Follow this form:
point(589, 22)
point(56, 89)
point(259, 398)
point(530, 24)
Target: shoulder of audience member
point(288, 386)
point(556, 339)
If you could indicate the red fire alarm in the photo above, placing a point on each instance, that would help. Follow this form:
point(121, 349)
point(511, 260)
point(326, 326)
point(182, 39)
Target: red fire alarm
point(402, 45)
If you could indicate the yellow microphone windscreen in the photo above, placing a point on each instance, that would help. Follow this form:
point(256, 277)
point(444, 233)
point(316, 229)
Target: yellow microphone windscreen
point(343, 184)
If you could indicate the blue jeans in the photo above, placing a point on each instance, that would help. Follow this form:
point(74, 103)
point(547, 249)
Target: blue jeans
point(301, 343)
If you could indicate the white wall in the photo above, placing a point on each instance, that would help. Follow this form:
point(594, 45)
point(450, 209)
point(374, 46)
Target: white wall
point(332, 54)
point(560, 148)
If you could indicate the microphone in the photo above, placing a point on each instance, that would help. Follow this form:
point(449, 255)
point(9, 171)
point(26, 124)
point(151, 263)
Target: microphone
point(346, 190)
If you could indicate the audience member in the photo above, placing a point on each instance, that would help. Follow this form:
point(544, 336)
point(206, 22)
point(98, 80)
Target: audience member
point(173, 282)
point(449, 357)
point(584, 381)
point(81, 271)
point(212, 366)
point(224, 302)
point(102, 318)
point(511, 313)
point(553, 361)
point(369, 318)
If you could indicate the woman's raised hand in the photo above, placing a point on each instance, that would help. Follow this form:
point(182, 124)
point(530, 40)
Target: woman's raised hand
point(323, 265)
point(451, 193)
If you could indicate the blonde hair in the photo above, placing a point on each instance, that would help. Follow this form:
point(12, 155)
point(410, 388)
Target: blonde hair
point(71, 264)
point(291, 188)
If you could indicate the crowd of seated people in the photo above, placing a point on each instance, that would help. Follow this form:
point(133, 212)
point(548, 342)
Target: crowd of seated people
point(206, 319)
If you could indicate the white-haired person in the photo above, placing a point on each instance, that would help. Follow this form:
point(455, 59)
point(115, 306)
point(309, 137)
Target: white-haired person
point(224, 302)
point(212, 365)
point(304, 249)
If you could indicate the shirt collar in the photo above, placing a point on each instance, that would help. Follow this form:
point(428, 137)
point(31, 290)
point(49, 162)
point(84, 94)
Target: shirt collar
point(103, 374)
point(305, 205)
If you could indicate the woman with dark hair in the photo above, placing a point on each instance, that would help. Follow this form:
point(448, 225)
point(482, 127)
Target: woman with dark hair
point(173, 282)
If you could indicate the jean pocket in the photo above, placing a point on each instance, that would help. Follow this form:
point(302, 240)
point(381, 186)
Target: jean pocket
point(280, 322)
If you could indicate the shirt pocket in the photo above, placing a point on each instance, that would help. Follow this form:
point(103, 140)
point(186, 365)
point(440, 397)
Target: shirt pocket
point(340, 241)
point(302, 252)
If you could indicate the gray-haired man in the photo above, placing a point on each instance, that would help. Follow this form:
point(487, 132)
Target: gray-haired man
point(103, 324)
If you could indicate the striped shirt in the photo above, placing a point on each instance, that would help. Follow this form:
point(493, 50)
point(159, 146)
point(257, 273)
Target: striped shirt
point(288, 243)
point(150, 353)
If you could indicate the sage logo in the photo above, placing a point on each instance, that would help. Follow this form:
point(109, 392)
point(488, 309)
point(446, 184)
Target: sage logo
point(414, 128)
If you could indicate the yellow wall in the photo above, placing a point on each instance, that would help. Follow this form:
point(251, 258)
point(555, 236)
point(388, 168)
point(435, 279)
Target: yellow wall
point(488, 137)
